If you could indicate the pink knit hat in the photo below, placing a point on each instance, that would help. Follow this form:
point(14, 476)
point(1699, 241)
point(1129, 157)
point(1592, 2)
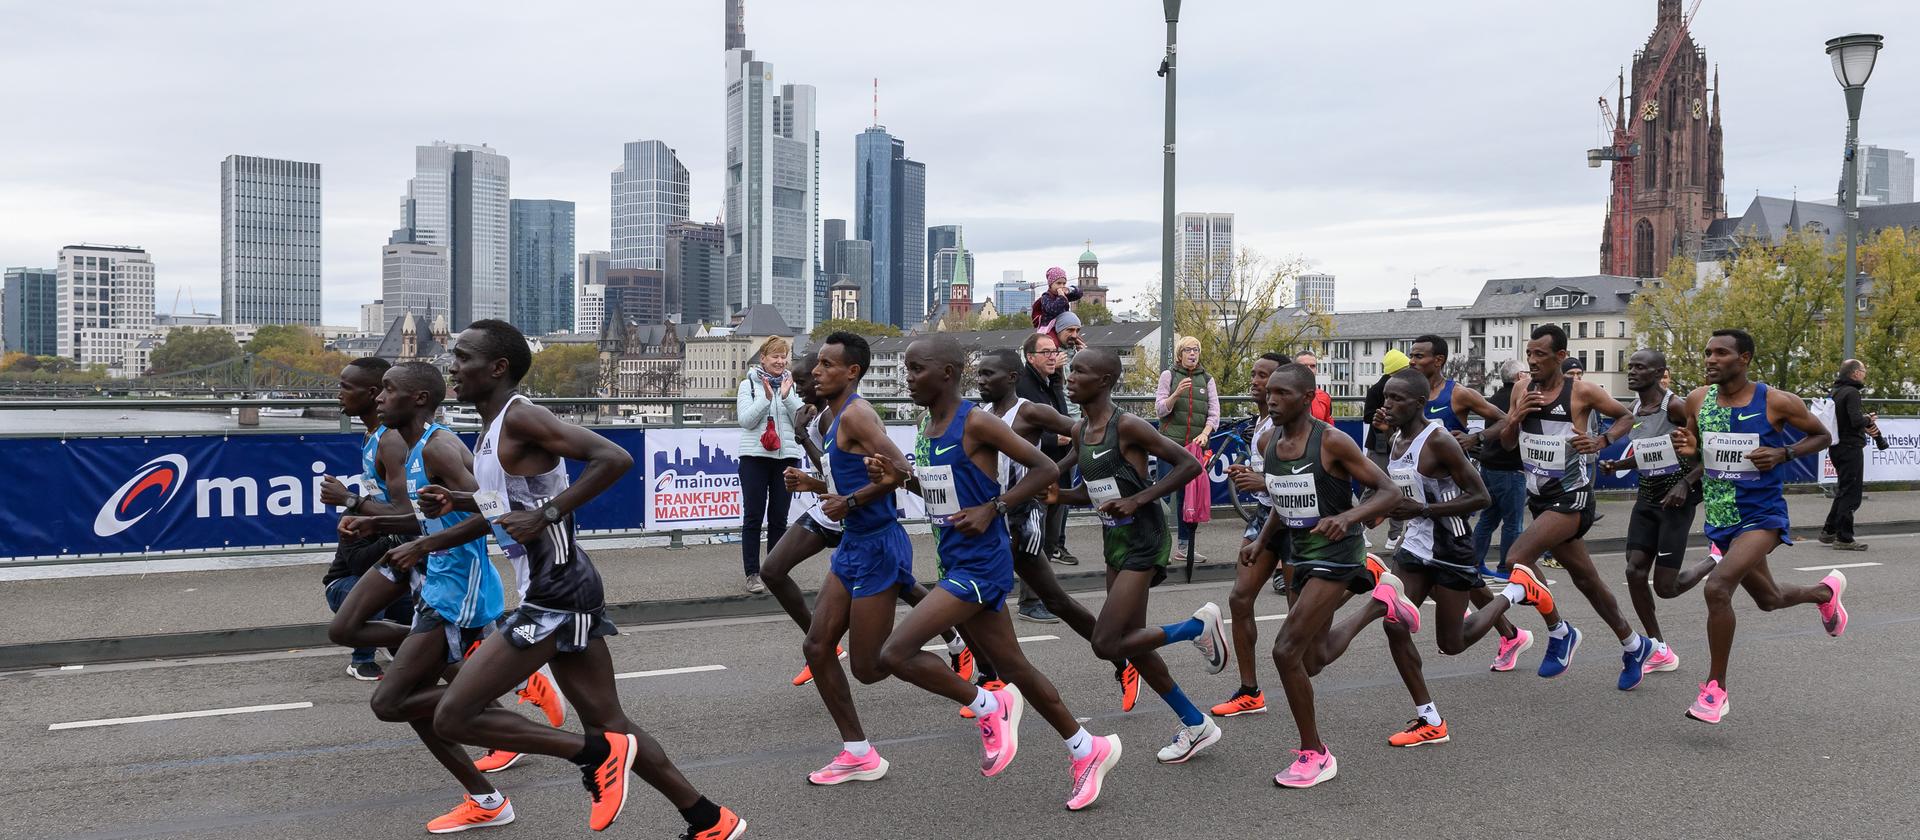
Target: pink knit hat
point(1056, 273)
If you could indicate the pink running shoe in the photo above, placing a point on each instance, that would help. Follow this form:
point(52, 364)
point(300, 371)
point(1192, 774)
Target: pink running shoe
point(1711, 705)
point(1510, 649)
point(1661, 660)
point(847, 767)
point(1832, 615)
point(1310, 768)
point(1000, 731)
point(1387, 590)
point(1089, 772)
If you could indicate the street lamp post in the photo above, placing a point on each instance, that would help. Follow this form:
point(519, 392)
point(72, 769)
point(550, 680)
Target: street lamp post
point(1166, 192)
point(1853, 57)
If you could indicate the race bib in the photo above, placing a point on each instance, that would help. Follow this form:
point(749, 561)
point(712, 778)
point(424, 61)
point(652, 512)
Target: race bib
point(413, 498)
point(1543, 455)
point(1405, 479)
point(1655, 456)
point(1101, 491)
point(1296, 499)
point(1725, 455)
point(937, 487)
point(493, 504)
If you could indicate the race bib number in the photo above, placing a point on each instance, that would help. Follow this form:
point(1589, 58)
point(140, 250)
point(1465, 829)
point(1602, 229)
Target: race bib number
point(1655, 456)
point(1725, 455)
point(1296, 499)
point(1405, 479)
point(1543, 455)
point(1101, 491)
point(937, 487)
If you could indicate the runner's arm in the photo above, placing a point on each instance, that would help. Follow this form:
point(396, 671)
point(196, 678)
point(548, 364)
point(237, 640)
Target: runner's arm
point(1077, 494)
point(1473, 491)
point(1686, 439)
point(1339, 451)
point(1474, 403)
point(1792, 411)
point(1043, 418)
point(390, 458)
point(868, 435)
point(538, 428)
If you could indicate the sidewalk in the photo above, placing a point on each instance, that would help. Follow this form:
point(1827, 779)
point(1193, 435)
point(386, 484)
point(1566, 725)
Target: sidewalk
point(96, 619)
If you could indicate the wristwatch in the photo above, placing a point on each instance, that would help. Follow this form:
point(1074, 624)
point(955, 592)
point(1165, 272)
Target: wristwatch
point(550, 513)
point(999, 506)
point(353, 502)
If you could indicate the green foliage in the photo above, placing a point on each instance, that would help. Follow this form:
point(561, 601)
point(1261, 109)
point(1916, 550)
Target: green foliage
point(1253, 317)
point(1013, 321)
point(1092, 313)
point(192, 347)
point(295, 339)
point(855, 326)
point(565, 370)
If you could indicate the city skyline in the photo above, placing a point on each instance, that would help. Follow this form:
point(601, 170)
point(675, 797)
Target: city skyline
point(1349, 180)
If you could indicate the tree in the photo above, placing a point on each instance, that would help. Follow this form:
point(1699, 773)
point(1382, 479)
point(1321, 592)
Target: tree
point(8, 361)
point(1012, 321)
point(189, 347)
point(1678, 315)
point(1253, 317)
point(855, 326)
point(291, 337)
point(565, 370)
point(1092, 313)
point(1888, 336)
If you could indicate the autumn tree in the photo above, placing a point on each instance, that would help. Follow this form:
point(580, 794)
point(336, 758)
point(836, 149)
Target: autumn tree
point(1254, 315)
point(565, 370)
point(1092, 313)
point(1888, 334)
point(189, 347)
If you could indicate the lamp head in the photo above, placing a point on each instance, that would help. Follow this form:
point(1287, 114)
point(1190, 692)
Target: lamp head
point(1853, 57)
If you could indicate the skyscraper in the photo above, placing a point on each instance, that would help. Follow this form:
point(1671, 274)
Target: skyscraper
point(637, 293)
point(947, 271)
point(1315, 292)
point(104, 303)
point(30, 312)
point(414, 277)
point(696, 272)
point(939, 238)
point(458, 198)
point(890, 211)
point(1204, 260)
point(1886, 176)
point(856, 257)
point(650, 191)
point(833, 232)
point(1012, 295)
point(773, 176)
point(542, 268)
point(269, 241)
point(590, 283)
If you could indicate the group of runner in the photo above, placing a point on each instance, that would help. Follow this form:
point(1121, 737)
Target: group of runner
point(982, 478)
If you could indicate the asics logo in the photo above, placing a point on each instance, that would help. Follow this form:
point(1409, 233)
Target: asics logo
point(164, 476)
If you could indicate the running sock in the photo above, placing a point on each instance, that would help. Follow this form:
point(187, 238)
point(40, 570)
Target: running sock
point(702, 816)
point(1632, 642)
point(593, 753)
point(1560, 631)
point(1081, 744)
point(859, 748)
point(1429, 714)
point(1248, 691)
point(1189, 713)
point(1514, 593)
point(1185, 631)
point(488, 801)
point(983, 702)
point(956, 646)
point(1658, 645)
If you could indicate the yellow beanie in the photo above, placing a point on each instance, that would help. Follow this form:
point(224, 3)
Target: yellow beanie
point(1394, 361)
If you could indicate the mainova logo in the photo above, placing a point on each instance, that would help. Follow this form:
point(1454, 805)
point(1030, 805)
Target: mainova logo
point(151, 487)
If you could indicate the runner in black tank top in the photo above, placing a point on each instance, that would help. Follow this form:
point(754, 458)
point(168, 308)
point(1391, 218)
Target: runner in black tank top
point(1310, 470)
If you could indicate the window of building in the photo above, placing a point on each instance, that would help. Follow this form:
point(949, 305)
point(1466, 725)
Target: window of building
point(1599, 329)
point(1583, 329)
point(1583, 356)
point(1619, 360)
point(1599, 360)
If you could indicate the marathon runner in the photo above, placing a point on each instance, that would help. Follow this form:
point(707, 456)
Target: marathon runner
point(379, 614)
point(1250, 579)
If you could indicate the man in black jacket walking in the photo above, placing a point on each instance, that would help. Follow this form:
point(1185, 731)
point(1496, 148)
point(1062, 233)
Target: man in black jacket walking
point(1851, 428)
point(1042, 382)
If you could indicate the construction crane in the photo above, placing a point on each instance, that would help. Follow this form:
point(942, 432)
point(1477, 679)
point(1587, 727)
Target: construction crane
point(1626, 147)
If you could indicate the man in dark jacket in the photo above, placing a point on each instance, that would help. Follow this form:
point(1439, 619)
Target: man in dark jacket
point(1041, 381)
point(1380, 432)
point(1851, 428)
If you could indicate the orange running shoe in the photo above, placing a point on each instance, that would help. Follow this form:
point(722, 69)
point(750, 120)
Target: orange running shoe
point(494, 761)
point(806, 672)
point(1537, 593)
point(545, 696)
point(1419, 732)
point(606, 782)
point(469, 814)
point(1375, 568)
point(963, 663)
point(730, 827)
point(1129, 678)
point(1243, 703)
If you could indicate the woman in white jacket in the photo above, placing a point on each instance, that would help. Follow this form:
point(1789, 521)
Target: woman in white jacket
point(766, 404)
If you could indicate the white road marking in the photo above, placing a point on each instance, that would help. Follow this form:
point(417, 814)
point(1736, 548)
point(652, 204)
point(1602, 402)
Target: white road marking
point(940, 647)
point(1274, 617)
point(666, 672)
point(71, 667)
point(237, 710)
point(1837, 566)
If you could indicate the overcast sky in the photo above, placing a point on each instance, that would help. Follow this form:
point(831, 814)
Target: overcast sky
point(1382, 142)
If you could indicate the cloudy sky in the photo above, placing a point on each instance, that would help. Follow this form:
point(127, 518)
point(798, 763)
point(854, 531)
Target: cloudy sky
point(1382, 142)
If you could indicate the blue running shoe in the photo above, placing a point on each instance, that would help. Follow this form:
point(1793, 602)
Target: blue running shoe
point(1634, 665)
point(1560, 653)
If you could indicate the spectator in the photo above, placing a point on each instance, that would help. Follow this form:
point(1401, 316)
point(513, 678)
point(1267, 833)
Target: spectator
point(1572, 367)
point(1322, 408)
point(1042, 381)
point(1851, 428)
point(1188, 404)
point(1380, 432)
point(1055, 300)
point(766, 405)
point(352, 559)
point(1500, 469)
point(1066, 334)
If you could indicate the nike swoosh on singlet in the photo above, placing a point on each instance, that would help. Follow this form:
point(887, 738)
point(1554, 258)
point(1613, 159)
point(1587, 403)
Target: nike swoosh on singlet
point(939, 451)
point(1435, 410)
point(1296, 470)
point(1100, 453)
point(1745, 417)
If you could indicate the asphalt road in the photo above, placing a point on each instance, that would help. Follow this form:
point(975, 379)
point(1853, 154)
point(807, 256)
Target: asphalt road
point(1818, 742)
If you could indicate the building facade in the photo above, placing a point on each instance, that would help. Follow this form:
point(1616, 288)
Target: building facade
point(1315, 292)
point(269, 241)
point(590, 300)
point(542, 269)
point(1012, 294)
point(855, 257)
point(1204, 256)
point(651, 190)
point(458, 199)
point(103, 303)
point(414, 277)
point(373, 317)
point(1088, 280)
point(772, 185)
point(952, 269)
point(637, 294)
point(890, 212)
point(939, 238)
point(30, 311)
point(696, 272)
point(1886, 176)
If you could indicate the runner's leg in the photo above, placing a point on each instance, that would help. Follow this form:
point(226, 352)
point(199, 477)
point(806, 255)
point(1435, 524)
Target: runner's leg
point(587, 679)
point(354, 626)
point(831, 617)
point(1305, 624)
point(399, 697)
point(795, 547)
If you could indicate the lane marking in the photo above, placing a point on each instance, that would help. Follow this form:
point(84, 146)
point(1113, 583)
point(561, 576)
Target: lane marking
point(666, 672)
point(1274, 617)
point(941, 647)
point(1837, 566)
point(237, 710)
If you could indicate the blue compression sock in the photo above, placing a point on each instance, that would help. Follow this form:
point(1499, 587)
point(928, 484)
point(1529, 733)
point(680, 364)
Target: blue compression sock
point(1185, 631)
point(1189, 714)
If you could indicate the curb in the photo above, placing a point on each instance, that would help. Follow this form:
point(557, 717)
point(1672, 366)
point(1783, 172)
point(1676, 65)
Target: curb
point(35, 655)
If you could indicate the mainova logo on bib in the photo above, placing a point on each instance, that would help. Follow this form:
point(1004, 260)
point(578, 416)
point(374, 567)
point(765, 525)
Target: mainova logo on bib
point(152, 486)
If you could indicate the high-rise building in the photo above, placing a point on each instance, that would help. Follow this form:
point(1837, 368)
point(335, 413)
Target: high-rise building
point(269, 241)
point(833, 232)
point(590, 302)
point(457, 198)
point(947, 271)
point(413, 277)
point(1204, 259)
point(1315, 292)
point(856, 257)
point(637, 293)
point(373, 318)
point(104, 303)
point(1012, 295)
point(890, 211)
point(30, 311)
point(1886, 176)
point(650, 191)
point(696, 272)
point(939, 238)
point(542, 268)
point(772, 182)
